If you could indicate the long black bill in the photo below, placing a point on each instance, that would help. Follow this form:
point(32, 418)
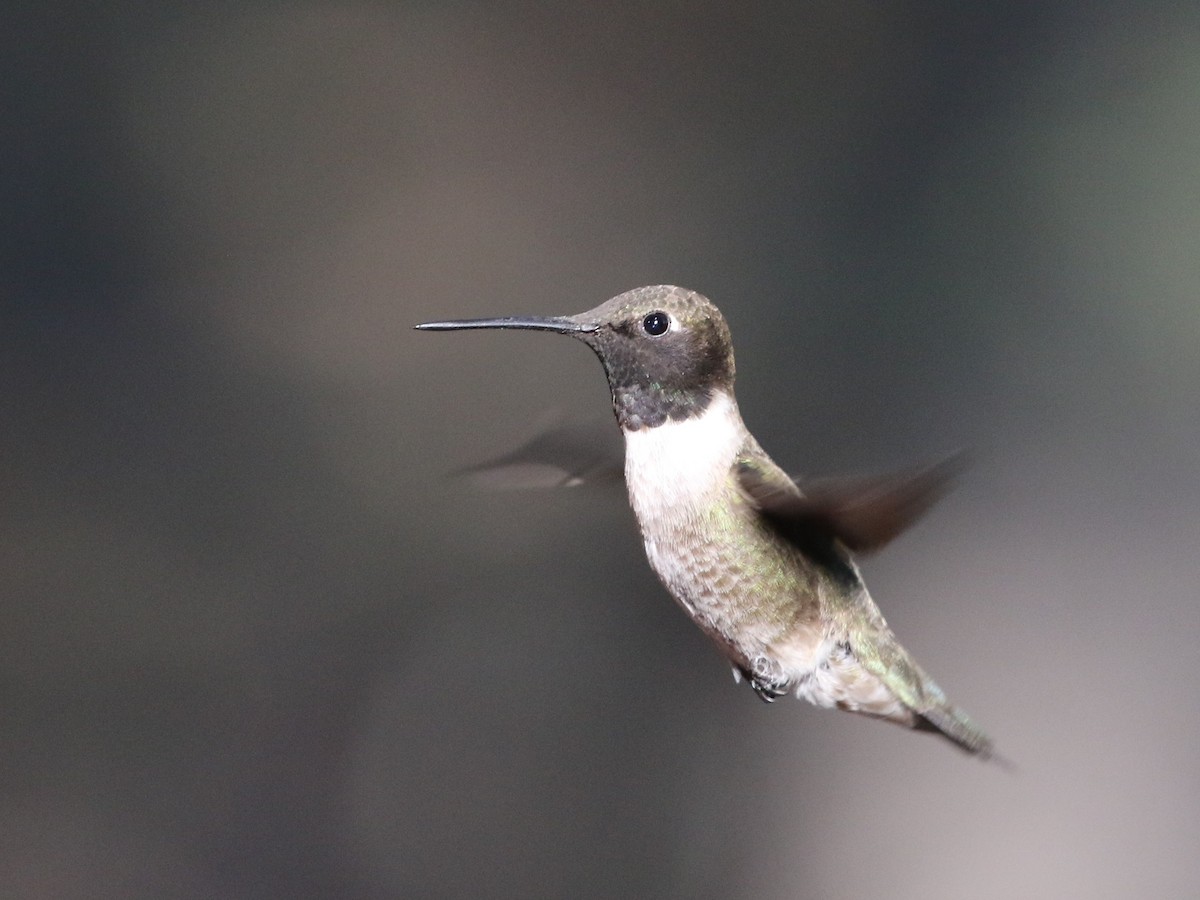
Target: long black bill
point(559, 324)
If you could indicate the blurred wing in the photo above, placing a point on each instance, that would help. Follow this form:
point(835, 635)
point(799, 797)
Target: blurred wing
point(863, 513)
point(565, 456)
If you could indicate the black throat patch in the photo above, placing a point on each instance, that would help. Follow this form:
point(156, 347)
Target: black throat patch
point(670, 379)
point(638, 406)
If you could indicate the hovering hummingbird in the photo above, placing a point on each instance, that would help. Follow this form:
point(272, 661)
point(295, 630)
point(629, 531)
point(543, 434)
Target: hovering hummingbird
point(764, 568)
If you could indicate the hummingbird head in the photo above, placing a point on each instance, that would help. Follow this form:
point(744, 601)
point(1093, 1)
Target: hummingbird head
point(666, 350)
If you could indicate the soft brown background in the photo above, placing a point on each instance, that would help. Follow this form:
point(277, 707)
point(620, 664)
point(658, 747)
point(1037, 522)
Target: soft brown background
point(254, 644)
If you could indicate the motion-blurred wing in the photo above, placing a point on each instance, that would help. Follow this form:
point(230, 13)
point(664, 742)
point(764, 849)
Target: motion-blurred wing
point(863, 513)
point(565, 456)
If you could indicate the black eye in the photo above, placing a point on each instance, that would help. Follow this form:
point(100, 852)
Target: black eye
point(656, 323)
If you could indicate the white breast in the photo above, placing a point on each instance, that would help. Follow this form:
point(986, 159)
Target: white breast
point(675, 473)
point(678, 465)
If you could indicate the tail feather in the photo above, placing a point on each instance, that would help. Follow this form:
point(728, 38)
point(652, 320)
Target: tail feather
point(954, 725)
point(927, 704)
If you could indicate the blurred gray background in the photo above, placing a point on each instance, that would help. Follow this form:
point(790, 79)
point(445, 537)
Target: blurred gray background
point(254, 643)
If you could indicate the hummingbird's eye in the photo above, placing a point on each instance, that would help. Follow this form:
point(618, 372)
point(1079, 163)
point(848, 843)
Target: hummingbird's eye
point(656, 323)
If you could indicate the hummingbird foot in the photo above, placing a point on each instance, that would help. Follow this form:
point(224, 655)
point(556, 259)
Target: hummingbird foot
point(766, 678)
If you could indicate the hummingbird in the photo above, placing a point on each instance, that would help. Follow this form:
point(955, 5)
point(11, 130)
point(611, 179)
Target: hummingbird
point(765, 568)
